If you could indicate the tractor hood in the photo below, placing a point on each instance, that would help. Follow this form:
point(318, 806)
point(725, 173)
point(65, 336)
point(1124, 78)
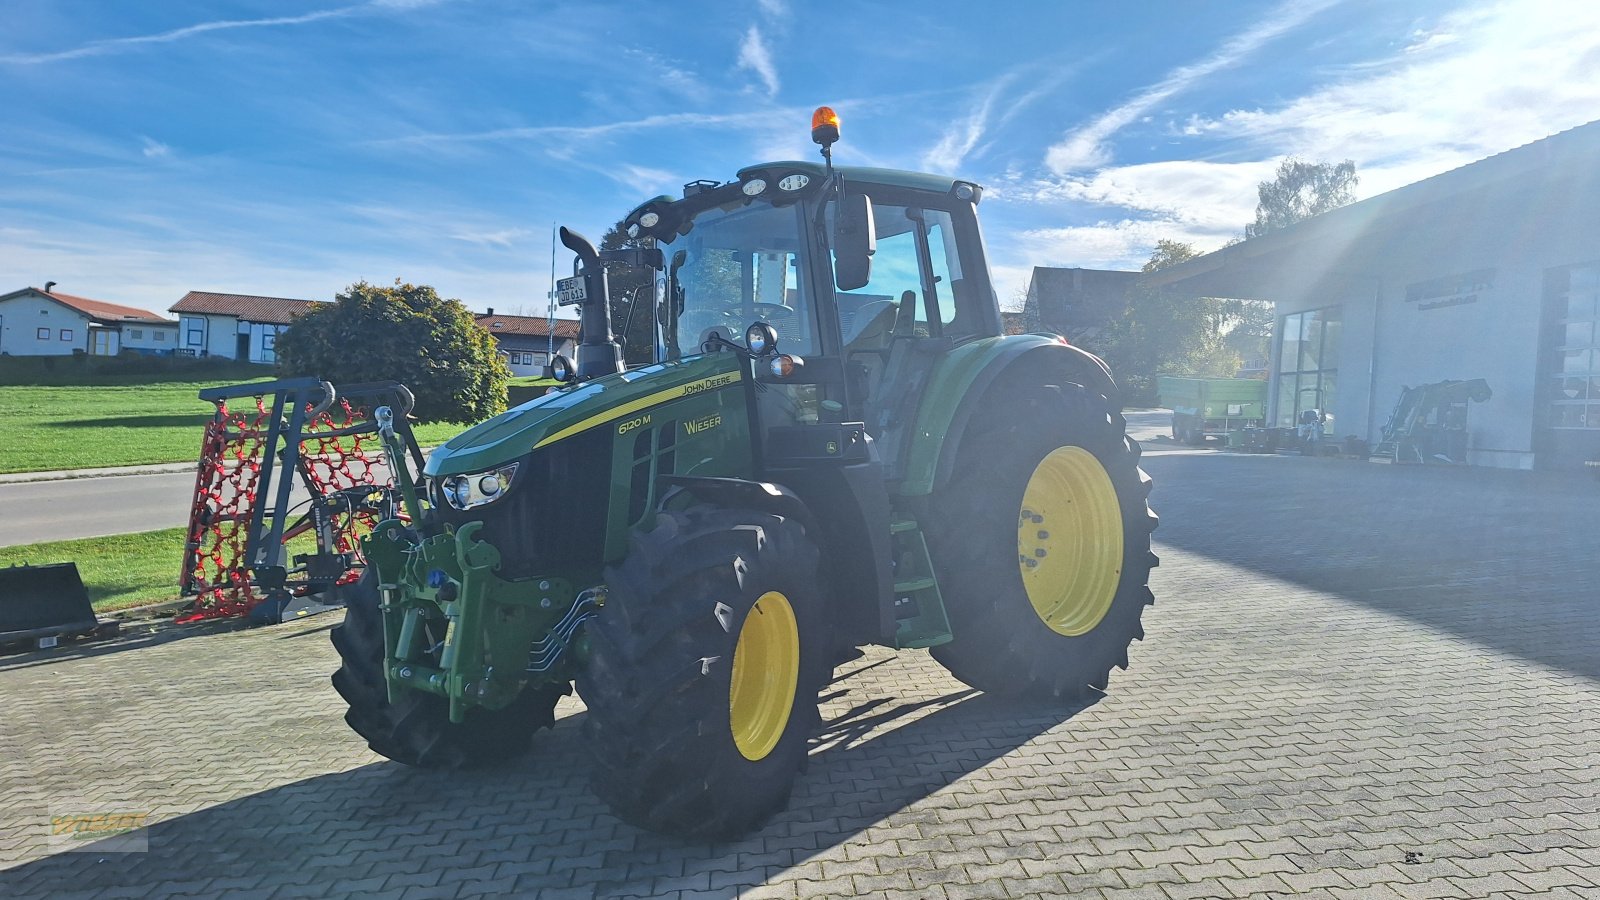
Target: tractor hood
point(572, 410)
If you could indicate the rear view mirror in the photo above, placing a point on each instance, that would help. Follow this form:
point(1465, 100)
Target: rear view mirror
point(855, 239)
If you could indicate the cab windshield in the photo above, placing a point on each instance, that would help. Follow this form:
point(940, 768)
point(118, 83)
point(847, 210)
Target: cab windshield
point(742, 266)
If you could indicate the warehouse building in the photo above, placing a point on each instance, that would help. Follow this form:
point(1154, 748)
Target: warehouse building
point(1488, 271)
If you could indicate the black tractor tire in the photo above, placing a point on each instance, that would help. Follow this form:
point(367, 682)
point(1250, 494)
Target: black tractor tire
point(1001, 644)
point(417, 730)
point(662, 664)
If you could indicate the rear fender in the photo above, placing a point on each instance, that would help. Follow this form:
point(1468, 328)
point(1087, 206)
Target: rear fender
point(956, 391)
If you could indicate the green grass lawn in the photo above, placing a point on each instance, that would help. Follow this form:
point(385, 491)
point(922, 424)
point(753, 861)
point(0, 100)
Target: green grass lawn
point(119, 571)
point(48, 427)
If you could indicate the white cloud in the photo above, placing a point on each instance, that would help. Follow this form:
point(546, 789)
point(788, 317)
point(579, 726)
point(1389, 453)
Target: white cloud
point(964, 134)
point(117, 45)
point(1512, 73)
point(755, 56)
point(1085, 147)
point(107, 46)
point(774, 9)
point(568, 134)
point(152, 148)
point(503, 237)
point(1479, 81)
point(1213, 198)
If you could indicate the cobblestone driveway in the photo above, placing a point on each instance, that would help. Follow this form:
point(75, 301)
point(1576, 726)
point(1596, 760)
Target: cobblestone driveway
point(1359, 681)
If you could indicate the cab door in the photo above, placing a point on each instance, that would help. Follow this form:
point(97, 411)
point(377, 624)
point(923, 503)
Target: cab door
point(921, 301)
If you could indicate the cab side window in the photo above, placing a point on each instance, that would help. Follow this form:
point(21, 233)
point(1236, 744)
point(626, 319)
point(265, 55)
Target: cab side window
point(915, 247)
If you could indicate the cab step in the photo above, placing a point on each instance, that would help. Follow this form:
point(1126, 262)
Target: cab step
point(918, 606)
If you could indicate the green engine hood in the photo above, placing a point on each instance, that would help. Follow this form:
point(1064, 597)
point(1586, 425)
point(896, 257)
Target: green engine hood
point(563, 413)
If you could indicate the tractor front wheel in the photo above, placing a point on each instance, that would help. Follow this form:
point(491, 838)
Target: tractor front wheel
point(417, 730)
point(1041, 544)
point(703, 672)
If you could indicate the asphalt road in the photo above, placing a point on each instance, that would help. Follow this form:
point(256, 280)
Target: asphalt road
point(66, 509)
point(35, 511)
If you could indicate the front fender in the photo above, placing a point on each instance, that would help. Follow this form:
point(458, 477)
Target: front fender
point(957, 387)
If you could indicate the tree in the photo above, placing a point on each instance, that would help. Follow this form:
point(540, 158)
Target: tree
point(405, 333)
point(1301, 190)
point(630, 284)
point(1165, 332)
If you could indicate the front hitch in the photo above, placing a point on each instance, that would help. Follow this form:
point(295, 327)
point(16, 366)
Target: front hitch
point(454, 628)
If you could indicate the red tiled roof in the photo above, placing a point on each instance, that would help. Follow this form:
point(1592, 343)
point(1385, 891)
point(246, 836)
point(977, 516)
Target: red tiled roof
point(527, 326)
point(101, 311)
point(267, 310)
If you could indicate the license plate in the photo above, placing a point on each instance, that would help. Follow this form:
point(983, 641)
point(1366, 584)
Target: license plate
point(45, 643)
point(571, 291)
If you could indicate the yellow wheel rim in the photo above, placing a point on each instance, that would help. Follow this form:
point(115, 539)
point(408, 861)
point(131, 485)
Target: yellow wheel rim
point(1069, 541)
point(766, 671)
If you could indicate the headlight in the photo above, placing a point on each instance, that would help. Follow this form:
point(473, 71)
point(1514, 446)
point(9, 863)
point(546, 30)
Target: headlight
point(467, 491)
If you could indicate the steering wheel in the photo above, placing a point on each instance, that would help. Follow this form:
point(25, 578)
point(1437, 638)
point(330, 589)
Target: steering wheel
point(769, 310)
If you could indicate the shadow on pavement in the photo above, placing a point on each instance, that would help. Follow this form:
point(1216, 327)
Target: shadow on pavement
point(135, 635)
point(536, 829)
point(1509, 560)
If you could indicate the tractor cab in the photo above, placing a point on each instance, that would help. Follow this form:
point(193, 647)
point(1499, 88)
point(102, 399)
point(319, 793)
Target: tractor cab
point(856, 271)
point(865, 279)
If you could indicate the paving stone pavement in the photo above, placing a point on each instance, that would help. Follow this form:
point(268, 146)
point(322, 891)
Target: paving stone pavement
point(1359, 681)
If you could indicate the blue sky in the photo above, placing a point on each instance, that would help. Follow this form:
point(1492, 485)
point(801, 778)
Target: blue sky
point(289, 148)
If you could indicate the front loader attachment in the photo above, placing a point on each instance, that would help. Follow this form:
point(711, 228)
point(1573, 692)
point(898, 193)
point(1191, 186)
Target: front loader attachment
point(43, 603)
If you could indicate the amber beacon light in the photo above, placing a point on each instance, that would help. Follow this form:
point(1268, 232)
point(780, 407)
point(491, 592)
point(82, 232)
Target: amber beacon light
point(824, 125)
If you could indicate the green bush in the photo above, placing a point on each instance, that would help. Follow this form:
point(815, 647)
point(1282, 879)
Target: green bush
point(405, 333)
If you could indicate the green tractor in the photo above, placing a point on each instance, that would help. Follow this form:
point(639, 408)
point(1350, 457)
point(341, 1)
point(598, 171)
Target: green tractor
point(837, 446)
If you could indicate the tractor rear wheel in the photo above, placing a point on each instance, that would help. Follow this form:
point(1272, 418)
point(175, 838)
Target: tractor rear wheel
point(1041, 544)
point(703, 672)
point(417, 730)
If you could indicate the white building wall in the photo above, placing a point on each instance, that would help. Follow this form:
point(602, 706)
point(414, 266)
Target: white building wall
point(530, 355)
point(208, 335)
point(158, 338)
point(22, 318)
point(1390, 341)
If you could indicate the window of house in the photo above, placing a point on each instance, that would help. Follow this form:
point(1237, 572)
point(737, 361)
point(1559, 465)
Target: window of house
point(42, 334)
point(1572, 352)
point(1308, 362)
point(160, 336)
point(269, 340)
point(66, 334)
point(136, 334)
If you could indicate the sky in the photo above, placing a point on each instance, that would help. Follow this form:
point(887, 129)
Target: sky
point(292, 147)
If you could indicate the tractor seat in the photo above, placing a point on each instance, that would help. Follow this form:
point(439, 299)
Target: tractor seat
point(871, 326)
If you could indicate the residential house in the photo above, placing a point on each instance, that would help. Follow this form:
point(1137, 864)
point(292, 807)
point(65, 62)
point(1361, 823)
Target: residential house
point(234, 326)
point(35, 322)
point(525, 340)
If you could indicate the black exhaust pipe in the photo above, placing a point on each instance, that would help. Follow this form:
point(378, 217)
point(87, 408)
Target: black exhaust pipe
point(598, 351)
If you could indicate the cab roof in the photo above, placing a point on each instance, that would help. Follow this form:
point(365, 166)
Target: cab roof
point(917, 181)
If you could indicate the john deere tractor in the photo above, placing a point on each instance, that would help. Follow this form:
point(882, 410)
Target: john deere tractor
point(836, 446)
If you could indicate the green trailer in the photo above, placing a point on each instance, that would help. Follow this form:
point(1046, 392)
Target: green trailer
point(1206, 407)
